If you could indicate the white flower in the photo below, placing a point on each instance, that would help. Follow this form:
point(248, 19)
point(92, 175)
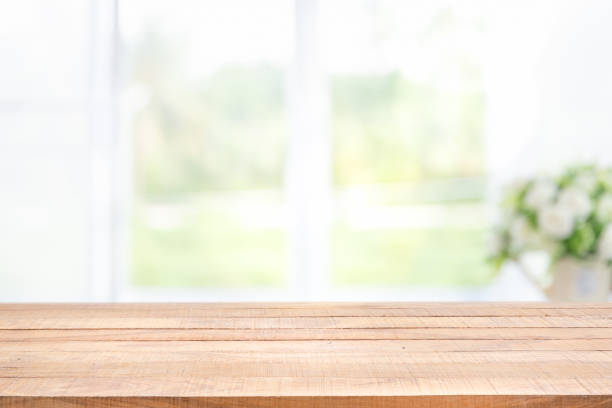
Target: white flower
point(540, 194)
point(576, 201)
point(519, 233)
point(556, 221)
point(586, 182)
point(495, 244)
point(605, 243)
point(604, 208)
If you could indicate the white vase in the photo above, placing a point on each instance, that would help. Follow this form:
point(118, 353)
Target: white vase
point(576, 280)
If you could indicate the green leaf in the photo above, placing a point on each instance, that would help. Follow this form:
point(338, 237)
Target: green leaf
point(582, 240)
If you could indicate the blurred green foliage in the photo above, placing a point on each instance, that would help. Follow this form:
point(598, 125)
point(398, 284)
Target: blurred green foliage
point(226, 131)
point(207, 249)
point(392, 257)
point(211, 249)
point(388, 128)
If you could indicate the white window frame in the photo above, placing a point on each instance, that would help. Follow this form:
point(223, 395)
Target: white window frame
point(103, 120)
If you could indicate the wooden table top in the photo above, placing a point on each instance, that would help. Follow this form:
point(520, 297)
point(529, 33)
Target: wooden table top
point(306, 355)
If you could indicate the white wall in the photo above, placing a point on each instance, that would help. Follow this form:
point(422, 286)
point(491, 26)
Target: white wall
point(549, 86)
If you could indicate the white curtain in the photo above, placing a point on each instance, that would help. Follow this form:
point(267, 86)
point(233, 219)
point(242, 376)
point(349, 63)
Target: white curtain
point(53, 89)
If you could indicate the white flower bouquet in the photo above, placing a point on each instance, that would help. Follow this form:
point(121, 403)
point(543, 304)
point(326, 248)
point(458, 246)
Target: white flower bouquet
point(567, 216)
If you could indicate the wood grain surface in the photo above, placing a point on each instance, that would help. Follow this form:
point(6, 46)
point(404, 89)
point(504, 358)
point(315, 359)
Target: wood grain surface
point(306, 355)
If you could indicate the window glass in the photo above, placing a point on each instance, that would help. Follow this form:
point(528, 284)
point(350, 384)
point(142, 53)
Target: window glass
point(205, 99)
point(407, 141)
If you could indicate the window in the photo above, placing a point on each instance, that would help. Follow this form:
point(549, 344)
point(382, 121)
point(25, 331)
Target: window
point(321, 145)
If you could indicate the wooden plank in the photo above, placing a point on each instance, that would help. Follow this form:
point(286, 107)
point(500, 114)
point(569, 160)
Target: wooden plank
point(302, 322)
point(525, 401)
point(521, 333)
point(431, 401)
point(257, 351)
point(304, 306)
point(309, 355)
point(474, 366)
point(202, 387)
point(260, 359)
point(397, 348)
point(283, 310)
